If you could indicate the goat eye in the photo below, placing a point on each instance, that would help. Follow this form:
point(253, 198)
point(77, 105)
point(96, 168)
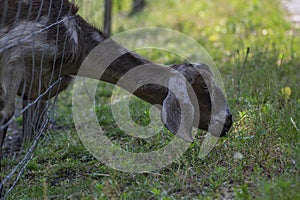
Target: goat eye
point(204, 85)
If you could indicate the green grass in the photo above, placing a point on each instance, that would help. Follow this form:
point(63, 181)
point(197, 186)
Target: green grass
point(259, 158)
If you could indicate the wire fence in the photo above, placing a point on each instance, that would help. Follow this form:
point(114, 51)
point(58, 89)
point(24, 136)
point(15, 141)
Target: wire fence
point(27, 96)
point(33, 53)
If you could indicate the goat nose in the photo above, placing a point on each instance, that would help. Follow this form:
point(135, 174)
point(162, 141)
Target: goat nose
point(228, 121)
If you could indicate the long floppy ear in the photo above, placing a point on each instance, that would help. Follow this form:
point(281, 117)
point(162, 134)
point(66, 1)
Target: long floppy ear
point(177, 110)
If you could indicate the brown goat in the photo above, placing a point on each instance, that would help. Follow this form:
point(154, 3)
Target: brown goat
point(42, 42)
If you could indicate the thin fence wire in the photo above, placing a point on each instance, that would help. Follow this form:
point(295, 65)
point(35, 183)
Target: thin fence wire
point(13, 177)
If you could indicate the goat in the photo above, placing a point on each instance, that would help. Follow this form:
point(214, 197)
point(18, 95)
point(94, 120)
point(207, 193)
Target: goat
point(42, 42)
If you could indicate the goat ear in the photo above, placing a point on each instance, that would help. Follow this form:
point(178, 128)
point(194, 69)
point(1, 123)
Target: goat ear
point(177, 110)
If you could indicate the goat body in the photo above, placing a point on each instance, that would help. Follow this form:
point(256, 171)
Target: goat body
point(44, 42)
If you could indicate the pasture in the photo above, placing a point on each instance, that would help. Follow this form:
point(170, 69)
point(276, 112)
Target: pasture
point(257, 51)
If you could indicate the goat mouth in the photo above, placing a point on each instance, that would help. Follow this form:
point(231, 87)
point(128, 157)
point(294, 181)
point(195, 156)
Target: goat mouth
point(218, 126)
point(225, 130)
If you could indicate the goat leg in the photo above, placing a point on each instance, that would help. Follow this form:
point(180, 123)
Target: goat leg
point(33, 118)
point(10, 79)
